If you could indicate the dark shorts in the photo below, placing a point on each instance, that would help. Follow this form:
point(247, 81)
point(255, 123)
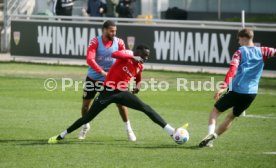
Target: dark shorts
point(91, 88)
point(238, 101)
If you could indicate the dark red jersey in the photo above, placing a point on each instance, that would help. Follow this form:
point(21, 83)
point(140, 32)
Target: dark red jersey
point(123, 70)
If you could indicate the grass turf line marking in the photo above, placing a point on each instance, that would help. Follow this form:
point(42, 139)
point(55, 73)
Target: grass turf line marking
point(259, 116)
point(270, 153)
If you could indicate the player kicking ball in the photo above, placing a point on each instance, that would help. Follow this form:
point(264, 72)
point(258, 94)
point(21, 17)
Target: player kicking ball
point(115, 90)
point(245, 69)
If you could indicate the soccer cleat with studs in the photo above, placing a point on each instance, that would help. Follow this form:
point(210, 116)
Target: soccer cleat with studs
point(208, 140)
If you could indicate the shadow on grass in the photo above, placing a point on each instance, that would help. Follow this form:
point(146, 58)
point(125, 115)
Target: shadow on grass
point(167, 147)
point(118, 143)
point(28, 142)
point(24, 141)
point(31, 142)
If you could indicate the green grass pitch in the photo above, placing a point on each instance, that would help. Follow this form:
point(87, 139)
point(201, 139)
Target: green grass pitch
point(29, 115)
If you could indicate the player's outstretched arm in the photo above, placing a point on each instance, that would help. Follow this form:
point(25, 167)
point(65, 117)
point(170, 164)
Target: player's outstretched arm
point(268, 52)
point(126, 54)
point(122, 54)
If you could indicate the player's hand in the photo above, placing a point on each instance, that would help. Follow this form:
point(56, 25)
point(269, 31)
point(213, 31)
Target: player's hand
point(218, 94)
point(135, 91)
point(103, 73)
point(138, 59)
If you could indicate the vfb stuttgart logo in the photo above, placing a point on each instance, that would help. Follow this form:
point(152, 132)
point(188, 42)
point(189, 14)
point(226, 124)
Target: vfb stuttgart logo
point(16, 37)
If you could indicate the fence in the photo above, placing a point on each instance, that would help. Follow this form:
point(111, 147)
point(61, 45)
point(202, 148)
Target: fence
point(201, 43)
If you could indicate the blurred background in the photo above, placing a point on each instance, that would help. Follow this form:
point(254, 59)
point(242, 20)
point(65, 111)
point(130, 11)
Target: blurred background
point(227, 10)
point(152, 19)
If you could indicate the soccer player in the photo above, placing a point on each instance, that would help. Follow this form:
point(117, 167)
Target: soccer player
point(245, 69)
point(99, 60)
point(115, 90)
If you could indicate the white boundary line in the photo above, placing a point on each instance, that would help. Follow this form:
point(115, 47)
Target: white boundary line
point(269, 153)
point(259, 116)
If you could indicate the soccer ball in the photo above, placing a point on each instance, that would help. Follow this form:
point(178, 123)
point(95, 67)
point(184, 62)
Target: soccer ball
point(181, 136)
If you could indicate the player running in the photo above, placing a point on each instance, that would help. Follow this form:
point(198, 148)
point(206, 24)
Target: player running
point(127, 66)
point(99, 60)
point(245, 69)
